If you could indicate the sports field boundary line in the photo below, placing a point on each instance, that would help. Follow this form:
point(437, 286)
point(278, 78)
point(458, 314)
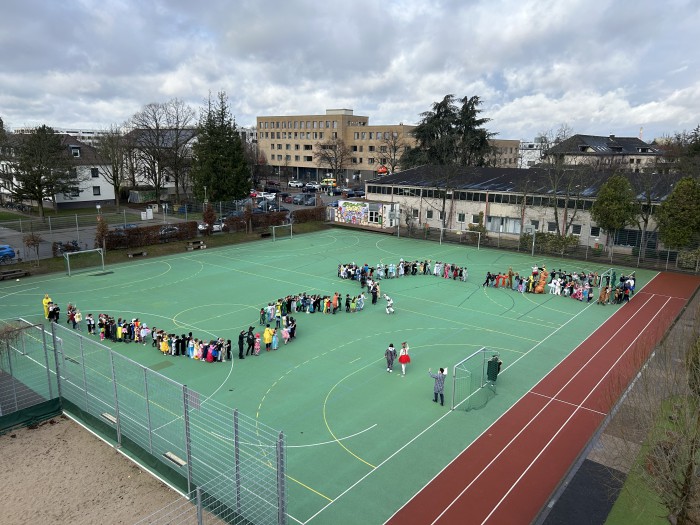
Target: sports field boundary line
point(563, 425)
point(506, 412)
point(517, 435)
point(569, 403)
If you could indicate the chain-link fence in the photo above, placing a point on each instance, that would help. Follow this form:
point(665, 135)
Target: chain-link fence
point(27, 369)
point(234, 465)
point(659, 258)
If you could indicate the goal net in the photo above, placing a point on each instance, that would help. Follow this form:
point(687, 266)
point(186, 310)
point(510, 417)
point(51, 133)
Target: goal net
point(474, 379)
point(84, 261)
point(283, 231)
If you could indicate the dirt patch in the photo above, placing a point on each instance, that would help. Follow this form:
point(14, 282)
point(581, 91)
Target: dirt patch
point(60, 473)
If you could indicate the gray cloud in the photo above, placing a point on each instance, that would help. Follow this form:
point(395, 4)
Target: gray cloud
point(603, 67)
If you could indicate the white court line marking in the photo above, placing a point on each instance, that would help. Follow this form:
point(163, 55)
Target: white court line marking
point(542, 410)
point(569, 403)
point(331, 442)
point(402, 448)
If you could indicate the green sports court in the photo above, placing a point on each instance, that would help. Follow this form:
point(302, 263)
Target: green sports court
point(360, 441)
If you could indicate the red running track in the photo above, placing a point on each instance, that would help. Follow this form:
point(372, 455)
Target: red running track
point(509, 473)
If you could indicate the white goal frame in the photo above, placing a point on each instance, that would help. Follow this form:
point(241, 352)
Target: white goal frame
point(274, 231)
point(68, 255)
point(478, 365)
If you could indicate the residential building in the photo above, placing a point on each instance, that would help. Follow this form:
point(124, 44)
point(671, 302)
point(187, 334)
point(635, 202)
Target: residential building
point(605, 153)
point(288, 143)
point(531, 153)
point(91, 186)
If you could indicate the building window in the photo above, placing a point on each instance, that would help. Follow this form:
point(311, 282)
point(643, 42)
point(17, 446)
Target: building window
point(551, 227)
point(308, 147)
point(287, 157)
point(535, 223)
point(296, 158)
point(371, 148)
point(475, 219)
point(334, 134)
point(356, 135)
point(595, 231)
point(287, 146)
point(75, 151)
point(370, 160)
point(576, 229)
point(75, 192)
point(308, 158)
point(279, 146)
point(429, 214)
point(96, 190)
point(461, 217)
point(320, 135)
point(272, 146)
point(94, 172)
point(364, 135)
point(414, 213)
point(296, 147)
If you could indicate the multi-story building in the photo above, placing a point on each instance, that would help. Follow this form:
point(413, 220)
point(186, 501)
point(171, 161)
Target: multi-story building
point(87, 136)
point(288, 143)
point(91, 185)
point(506, 153)
point(610, 153)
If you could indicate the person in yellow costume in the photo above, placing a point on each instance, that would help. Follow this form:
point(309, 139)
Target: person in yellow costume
point(46, 302)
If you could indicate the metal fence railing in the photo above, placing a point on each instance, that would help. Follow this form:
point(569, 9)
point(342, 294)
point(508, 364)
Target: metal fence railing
point(27, 368)
point(234, 466)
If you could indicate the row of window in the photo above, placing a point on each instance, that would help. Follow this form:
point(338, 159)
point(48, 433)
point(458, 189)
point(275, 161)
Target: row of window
point(299, 124)
point(503, 224)
point(296, 135)
point(372, 135)
point(494, 198)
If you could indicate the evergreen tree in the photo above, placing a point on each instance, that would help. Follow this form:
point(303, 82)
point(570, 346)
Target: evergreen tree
point(451, 134)
point(678, 217)
point(219, 162)
point(615, 206)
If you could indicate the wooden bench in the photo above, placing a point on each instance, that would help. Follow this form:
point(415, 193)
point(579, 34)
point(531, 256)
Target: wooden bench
point(195, 245)
point(136, 254)
point(265, 234)
point(13, 274)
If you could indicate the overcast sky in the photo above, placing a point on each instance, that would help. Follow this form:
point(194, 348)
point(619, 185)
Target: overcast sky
point(599, 66)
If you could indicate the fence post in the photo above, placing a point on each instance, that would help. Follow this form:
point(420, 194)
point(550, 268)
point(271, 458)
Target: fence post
point(77, 228)
point(116, 398)
point(55, 355)
point(50, 230)
point(281, 497)
point(12, 375)
point(188, 449)
point(82, 362)
point(148, 409)
point(199, 506)
point(236, 453)
point(46, 360)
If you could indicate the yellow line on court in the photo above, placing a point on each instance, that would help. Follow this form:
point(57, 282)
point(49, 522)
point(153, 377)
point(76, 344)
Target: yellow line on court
point(325, 421)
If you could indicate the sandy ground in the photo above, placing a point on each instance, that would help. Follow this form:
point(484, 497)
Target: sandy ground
point(60, 473)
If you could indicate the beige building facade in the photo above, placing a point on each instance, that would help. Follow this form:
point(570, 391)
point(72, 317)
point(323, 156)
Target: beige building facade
point(288, 143)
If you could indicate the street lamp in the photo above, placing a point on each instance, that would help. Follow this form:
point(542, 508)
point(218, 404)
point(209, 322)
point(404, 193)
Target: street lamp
point(99, 208)
point(205, 194)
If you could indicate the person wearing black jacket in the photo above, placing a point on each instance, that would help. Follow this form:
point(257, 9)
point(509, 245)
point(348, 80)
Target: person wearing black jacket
point(250, 339)
point(241, 342)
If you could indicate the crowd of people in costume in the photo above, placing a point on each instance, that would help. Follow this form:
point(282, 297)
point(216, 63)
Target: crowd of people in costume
point(402, 268)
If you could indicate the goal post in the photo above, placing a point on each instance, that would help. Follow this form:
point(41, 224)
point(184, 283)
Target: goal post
point(474, 379)
point(283, 231)
point(84, 260)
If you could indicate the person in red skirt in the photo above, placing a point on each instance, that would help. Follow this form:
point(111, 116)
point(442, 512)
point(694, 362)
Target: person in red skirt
point(404, 358)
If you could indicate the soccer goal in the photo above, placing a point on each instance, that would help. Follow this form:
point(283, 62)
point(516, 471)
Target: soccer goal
point(283, 231)
point(474, 379)
point(84, 260)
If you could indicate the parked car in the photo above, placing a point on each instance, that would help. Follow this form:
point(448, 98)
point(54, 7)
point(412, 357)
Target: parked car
point(332, 204)
point(169, 232)
point(295, 184)
point(314, 185)
point(288, 198)
point(349, 194)
point(359, 193)
point(267, 195)
point(6, 253)
point(299, 198)
point(271, 189)
point(282, 196)
point(310, 200)
point(272, 183)
point(218, 226)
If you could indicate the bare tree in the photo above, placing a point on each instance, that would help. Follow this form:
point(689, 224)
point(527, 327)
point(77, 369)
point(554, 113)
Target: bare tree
point(333, 154)
point(161, 135)
point(180, 119)
point(391, 148)
point(113, 155)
